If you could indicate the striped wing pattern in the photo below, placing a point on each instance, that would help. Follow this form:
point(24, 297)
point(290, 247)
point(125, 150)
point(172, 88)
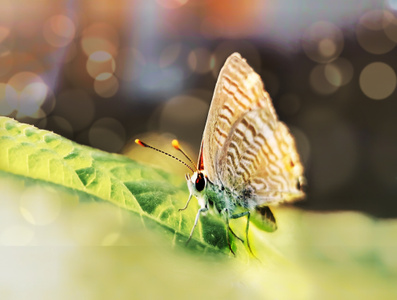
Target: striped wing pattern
point(261, 159)
point(245, 146)
point(238, 90)
point(283, 183)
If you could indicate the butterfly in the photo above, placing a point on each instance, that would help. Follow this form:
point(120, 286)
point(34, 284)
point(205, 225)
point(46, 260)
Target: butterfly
point(248, 158)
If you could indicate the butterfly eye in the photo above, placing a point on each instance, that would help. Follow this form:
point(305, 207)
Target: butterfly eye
point(200, 182)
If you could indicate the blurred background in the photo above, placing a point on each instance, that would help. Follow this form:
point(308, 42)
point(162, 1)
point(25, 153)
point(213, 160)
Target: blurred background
point(105, 72)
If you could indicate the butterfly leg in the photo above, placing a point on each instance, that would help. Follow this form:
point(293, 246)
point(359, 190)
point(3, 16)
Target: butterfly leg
point(187, 203)
point(235, 235)
point(203, 209)
point(226, 214)
point(246, 233)
point(248, 214)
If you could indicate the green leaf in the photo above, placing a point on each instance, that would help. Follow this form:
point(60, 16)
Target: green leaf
point(41, 157)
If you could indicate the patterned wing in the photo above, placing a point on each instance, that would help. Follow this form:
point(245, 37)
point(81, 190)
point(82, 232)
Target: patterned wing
point(284, 184)
point(264, 219)
point(238, 90)
point(259, 159)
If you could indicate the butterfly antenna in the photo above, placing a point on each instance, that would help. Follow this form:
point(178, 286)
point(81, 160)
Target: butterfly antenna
point(139, 142)
point(176, 145)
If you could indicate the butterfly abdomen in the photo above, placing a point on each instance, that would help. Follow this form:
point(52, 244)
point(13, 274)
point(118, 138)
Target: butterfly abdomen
point(222, 197)
point(246, 198)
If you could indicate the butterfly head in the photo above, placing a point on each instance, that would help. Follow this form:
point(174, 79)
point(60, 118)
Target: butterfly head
point(197, 182)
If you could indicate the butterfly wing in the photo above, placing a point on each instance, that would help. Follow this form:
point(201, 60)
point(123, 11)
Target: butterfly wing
point(264, 219)
point(284, 183)
point(245, 147)
point(259, 159)
point(238, 90)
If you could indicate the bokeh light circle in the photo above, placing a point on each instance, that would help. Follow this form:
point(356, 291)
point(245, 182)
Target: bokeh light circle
point(59, 30)
point(390, 25)
point(333, 75)
point(31, 91)
point(371, 34)
point(57, 124)
point(378, 80)
point(100, 62)
point(322, 42)
point(319, 82)
point(39, 207)
point(106, 85)
point(200, 61)
point(107, 134)
point(339, 72)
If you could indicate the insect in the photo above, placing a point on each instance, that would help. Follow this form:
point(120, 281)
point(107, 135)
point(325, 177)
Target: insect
point(248, 158)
